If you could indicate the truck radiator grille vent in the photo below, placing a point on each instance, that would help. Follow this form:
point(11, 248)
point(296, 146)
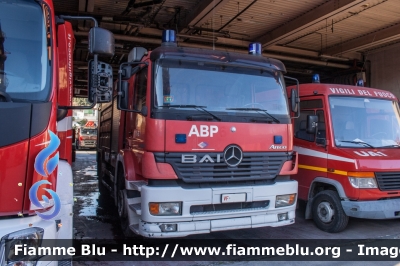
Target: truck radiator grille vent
point(388, 180)
point(228, 207)
point(254, 166)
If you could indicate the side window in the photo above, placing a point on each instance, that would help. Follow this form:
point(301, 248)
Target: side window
point(300, 126)
point(140, 89)
point(321, 124)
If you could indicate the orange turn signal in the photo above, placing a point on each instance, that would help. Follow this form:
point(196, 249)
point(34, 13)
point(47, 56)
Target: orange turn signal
point(361, 174)
point(292, 198)
point(154, 208)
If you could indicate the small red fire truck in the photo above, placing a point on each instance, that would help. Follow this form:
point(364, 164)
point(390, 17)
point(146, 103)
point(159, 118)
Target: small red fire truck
point(347, 138)
point(36, 89)
point(187, 146)
point(87, 136)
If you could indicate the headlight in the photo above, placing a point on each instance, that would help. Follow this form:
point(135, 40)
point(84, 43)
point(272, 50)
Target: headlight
point(31, 237)
point(285, 200)
point(362, 179)
point(165, 208)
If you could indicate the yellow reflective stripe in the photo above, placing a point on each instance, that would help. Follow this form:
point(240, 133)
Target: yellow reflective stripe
point(321, 169)
point(308, 167)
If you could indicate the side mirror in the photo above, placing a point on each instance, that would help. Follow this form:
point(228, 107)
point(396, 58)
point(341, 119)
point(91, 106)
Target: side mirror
point(136, 54)
point(294, 98)
point(123, 97)
point(101, 41)
point(126, 70)
point(294, 101)
point(320, 141)
point(144, 111)
point(312, 123)
point(100, 84)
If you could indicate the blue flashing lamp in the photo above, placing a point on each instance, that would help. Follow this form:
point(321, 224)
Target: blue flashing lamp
point(180, 138)
point(360, 83)
point(315, 78)
point(168, 36)
point(255, 48)
point(277, 139)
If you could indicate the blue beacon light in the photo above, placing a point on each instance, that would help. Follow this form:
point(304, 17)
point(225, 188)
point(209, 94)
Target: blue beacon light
point(255, 48)
point(168, 38)
point(315, 79)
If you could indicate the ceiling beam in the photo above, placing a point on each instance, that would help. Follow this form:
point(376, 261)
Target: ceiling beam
point(90, 6)
point(312, 17)
point(204, 11)
point(364, 42)
point(82, 5)
point(136, 40)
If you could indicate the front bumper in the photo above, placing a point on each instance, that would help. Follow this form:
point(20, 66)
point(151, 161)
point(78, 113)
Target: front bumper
point(205, 222)
point(88, 144)
point(58, 228)
point(11, 225)
point(379, 209)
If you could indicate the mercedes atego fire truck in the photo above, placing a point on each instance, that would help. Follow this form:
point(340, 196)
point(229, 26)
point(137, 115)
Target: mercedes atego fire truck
point(196, 141)
point(86, 136)
point(36, 75)
point(348, 141)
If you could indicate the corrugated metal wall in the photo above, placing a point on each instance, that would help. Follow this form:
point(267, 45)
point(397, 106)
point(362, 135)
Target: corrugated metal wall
point(385, 69)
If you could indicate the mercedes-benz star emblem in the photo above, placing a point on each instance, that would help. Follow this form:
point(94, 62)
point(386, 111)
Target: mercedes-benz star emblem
point(233, 155)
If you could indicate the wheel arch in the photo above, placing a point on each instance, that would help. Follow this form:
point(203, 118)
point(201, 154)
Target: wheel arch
point(319, 184)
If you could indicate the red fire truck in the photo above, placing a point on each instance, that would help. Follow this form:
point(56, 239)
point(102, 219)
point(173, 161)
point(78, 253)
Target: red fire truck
point(187, 146)
point(347, 138)
point(36, 53)
point(87, 136)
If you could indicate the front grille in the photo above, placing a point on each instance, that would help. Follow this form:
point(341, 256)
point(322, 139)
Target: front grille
point(388, 180)
point(254, 166)
point(228, 207)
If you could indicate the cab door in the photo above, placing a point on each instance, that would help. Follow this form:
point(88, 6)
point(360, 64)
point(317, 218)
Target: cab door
point(135, 129)
point(312, 148)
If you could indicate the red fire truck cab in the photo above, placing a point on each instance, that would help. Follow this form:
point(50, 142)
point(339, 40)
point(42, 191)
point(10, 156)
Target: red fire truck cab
point(347, 138)
point(87, 136)
point(188, 147)
point(36, 90)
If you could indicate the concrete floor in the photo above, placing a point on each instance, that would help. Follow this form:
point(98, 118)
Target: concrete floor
point(95, 217)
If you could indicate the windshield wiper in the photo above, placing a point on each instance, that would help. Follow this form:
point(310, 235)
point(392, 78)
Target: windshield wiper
point(255, 109)
point(5, 97)
point(358, 142)
point(197, 107)
point(390, 146)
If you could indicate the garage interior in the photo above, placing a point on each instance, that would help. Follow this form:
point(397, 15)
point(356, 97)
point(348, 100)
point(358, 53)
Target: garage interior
point(341, 40)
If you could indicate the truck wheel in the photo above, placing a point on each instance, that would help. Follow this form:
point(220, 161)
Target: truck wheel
point(328, 213)
point(121, 208)
point(102, 188)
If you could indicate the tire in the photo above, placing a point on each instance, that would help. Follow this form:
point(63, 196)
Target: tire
point(100, 175)
point(328, 213)
point(121, 208)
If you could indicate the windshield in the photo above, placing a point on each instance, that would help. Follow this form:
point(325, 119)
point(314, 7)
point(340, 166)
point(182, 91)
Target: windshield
point(24, 62)
point(365, 122)
point(89, 132)
point(218, 87)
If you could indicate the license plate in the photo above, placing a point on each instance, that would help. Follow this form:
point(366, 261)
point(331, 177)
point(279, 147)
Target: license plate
point(237, 197)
